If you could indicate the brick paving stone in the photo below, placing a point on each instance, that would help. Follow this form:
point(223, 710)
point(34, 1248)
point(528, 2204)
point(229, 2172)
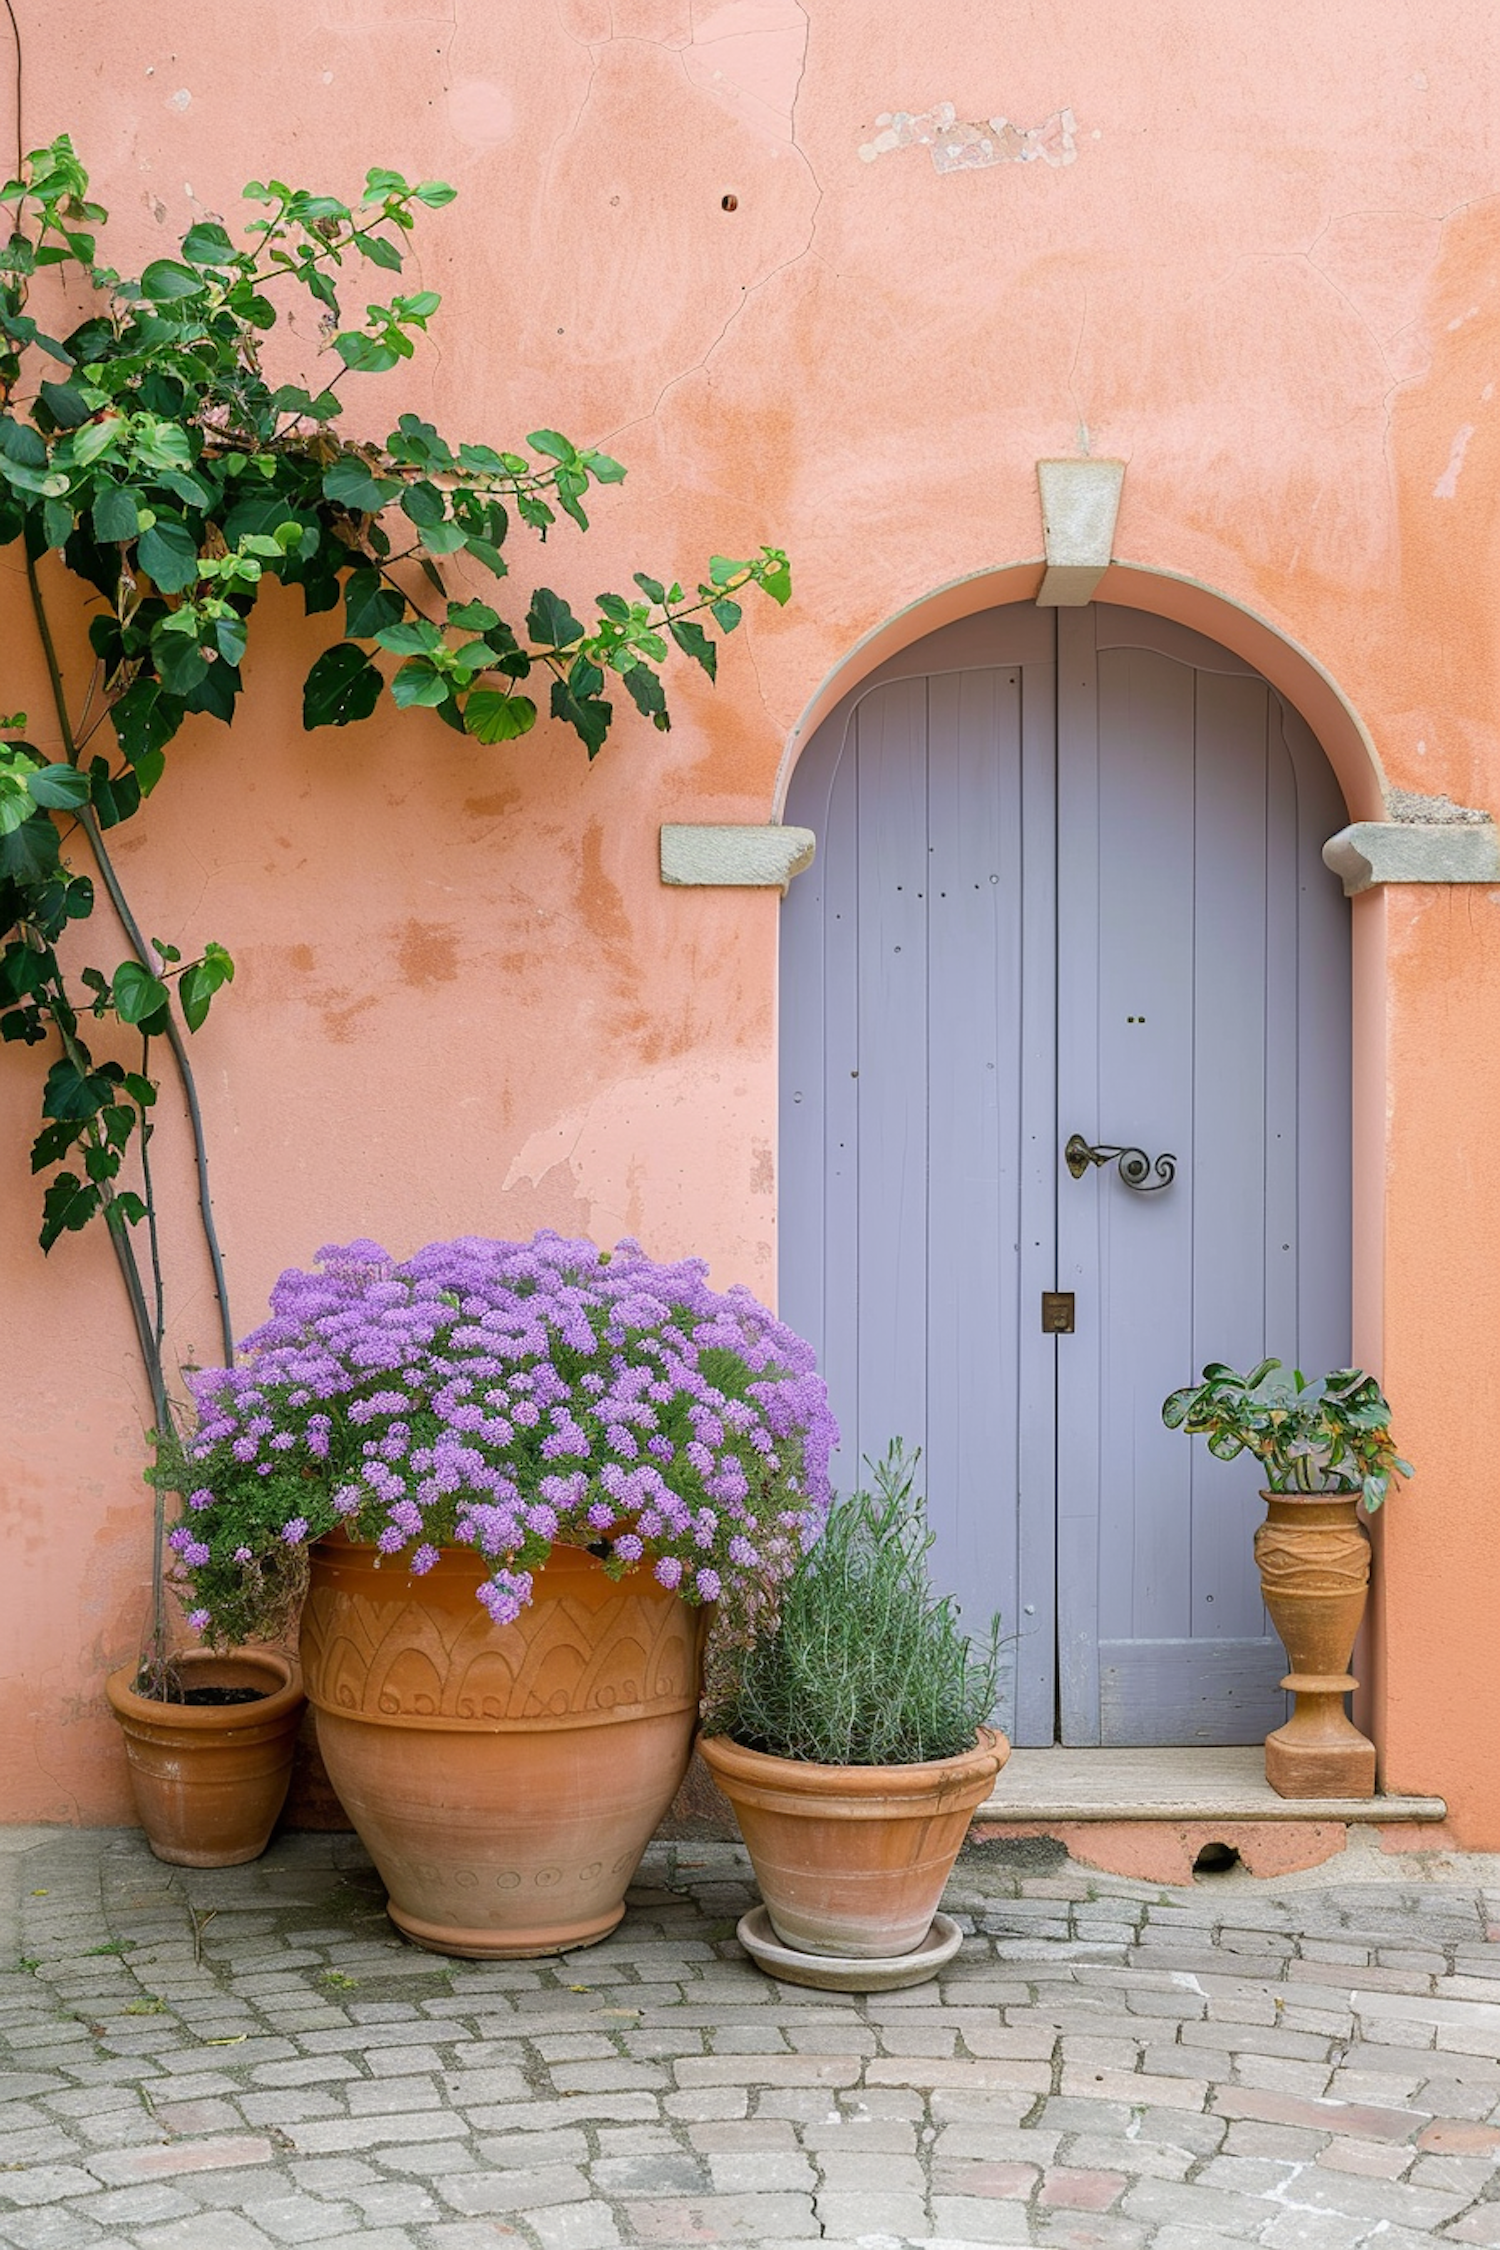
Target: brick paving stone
point(575, 2226)
point(167, 2159)
point(479, 2192)
point(994, 2179)
point(1371, 2159)
point(842, 2211)
point(216, 2230)
point(1136, 2087)
point(1360, 2121)
point(930, 2073)
point(968, 2219)
point(1076, 2190)
point(302, 2218)
point(1313, 2230)
point(749, 2171)
point(1460, 2137)
point(727, 2218)
point(1477, 2226)
point(132, 2206)
point(45, 2183)
point(1215, 2214)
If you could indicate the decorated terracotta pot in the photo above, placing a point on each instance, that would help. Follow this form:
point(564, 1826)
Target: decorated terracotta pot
point(851, 1860)
point(210, 1778)
point(1314, 1559)
point(505, 1779)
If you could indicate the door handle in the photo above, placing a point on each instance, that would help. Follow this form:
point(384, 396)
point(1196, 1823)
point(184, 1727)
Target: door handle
point(1135, 1166)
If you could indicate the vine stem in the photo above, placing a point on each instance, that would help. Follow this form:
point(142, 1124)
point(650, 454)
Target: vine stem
point(149, 1343)
point(144, 954)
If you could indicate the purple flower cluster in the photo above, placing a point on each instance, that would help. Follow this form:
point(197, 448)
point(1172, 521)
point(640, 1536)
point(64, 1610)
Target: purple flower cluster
point(504, 1395)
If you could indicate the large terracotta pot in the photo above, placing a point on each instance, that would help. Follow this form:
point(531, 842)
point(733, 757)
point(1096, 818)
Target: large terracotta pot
point(851, 1860)
point(210, 1778)
point(504, 1779)
point(1314, 1558)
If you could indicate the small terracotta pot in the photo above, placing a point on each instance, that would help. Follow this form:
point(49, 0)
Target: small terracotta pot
point(210, 1778)
point(851, 1860)
point(505, 1779)
point(1314, 1558)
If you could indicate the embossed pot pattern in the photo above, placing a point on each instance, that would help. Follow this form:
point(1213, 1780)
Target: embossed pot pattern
point(1314, 1559)
point(504, 1779)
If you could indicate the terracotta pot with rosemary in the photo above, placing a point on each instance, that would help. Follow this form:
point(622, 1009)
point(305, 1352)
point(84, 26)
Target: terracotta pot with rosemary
point(1326, 1446)
point(852, 1740)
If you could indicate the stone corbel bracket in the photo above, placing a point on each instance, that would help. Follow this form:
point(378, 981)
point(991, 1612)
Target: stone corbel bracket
point(735, 855)
point(1080, 502)
point(1371, 852)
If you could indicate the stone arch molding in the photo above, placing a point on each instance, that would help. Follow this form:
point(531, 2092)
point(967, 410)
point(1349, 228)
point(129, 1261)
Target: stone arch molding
point(1394, 837)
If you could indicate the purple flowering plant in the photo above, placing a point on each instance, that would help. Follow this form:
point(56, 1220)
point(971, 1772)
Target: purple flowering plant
point(502, 1396)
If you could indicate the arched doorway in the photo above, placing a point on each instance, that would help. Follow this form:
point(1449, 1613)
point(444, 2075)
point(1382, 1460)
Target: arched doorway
point(1069, 881)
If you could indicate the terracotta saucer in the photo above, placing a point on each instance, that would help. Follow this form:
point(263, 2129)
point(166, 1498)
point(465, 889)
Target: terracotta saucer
point(831, 1972)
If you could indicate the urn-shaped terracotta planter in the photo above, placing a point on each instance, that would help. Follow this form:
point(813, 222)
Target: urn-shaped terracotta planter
point(1314, 1558)
point(210, 1778)
point(505, 1779)
point(851, 1860)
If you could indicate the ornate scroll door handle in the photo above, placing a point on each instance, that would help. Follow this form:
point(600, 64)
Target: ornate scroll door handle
point(1135, 1166)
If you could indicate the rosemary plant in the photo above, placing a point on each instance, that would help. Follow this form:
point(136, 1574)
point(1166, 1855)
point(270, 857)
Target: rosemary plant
point(865, 1665)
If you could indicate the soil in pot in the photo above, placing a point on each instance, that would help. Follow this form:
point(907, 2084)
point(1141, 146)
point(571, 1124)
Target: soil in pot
point(852, 1860)
point(504, 1779)
point(210, 1772)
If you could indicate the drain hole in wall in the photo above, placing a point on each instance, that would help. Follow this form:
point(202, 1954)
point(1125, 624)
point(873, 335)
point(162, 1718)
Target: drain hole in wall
point(1216, 1859)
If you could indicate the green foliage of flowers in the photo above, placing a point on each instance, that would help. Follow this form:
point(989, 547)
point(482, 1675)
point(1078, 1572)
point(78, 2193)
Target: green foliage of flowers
point(865, 1665)
point(1331, 1433)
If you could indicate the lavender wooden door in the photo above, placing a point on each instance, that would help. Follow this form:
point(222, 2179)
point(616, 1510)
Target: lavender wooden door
point(1015, 832)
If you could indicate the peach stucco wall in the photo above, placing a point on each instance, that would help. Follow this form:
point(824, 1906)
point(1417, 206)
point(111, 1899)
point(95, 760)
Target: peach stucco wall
point(1265, 277)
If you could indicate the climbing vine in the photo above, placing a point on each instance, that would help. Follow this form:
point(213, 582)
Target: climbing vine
point(147, 446)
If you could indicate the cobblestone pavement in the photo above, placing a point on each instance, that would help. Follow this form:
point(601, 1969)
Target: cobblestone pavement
point(240, 2060)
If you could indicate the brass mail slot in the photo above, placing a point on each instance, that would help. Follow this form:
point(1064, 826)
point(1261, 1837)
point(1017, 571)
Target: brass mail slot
point(1057, 1312)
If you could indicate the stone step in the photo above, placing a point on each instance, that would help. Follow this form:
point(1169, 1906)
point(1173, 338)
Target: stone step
point(1212, 1784)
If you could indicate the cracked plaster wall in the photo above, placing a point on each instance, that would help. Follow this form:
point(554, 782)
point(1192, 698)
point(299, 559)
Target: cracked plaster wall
point(1267, 279)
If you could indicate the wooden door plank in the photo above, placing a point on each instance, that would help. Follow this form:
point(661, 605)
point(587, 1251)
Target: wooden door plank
point(1077, 1356)
point(811, 921)
point(893, 1060)
point(1244, 1124)
point(973, 964)
point(1035, 1623)
point(1146, 736)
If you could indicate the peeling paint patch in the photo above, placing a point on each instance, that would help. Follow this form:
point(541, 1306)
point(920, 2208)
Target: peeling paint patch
point(961, 145)
point(749, 56)
point(1431, 812)
point(1447, 483)
point(481, 113)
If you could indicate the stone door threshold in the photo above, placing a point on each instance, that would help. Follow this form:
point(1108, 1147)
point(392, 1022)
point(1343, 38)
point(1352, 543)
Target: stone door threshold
point(1047, 1786)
